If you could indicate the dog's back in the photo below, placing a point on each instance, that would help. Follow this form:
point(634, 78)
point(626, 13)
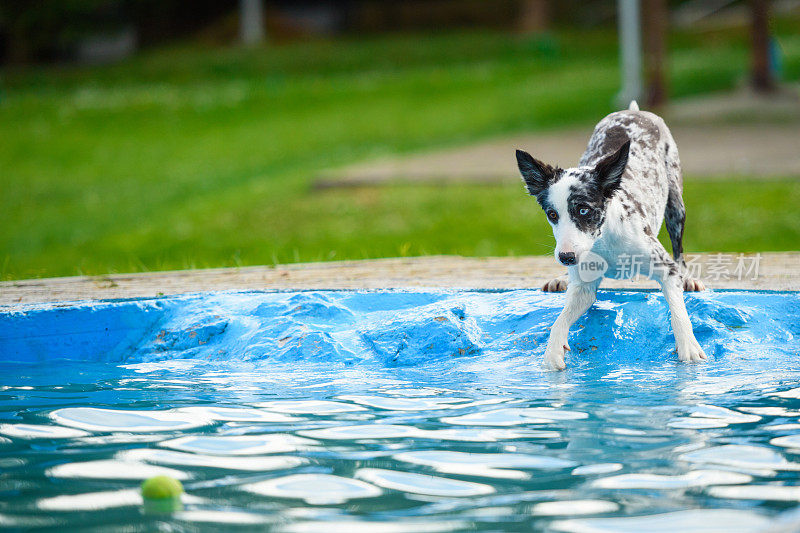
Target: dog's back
point(653, 173)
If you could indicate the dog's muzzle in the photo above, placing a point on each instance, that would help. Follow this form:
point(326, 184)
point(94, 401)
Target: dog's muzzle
point(567, 258)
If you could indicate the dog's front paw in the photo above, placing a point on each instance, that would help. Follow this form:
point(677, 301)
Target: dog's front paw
point(693, 285)
point(555, 285)
point(554, 356)
point(691, 352)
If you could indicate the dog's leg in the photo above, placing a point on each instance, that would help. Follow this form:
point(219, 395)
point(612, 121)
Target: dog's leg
point(689, 349)
point(675, 217)
point(580, 297)
point(558, 284)
point(667, 272)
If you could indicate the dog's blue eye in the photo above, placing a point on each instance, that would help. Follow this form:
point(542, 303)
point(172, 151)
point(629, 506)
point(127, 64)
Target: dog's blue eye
point(584, 211)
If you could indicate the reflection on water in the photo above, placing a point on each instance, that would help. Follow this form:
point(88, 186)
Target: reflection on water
point(626, 439)
point(315, 489)
point(713, 520)
point(410, 483)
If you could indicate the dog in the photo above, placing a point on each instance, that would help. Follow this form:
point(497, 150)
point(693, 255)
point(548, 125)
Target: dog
point(613, 204)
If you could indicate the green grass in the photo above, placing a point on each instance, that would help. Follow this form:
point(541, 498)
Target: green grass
point(496, 220)
point(192, 158)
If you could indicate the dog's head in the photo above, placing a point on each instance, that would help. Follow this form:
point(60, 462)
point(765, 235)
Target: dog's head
point(574, 200)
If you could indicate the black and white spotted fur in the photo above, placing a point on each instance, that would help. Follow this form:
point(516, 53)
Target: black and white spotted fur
point(613, 203)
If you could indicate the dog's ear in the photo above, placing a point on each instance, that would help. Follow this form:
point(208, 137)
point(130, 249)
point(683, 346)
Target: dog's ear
point(609, 171)
point(536, 175)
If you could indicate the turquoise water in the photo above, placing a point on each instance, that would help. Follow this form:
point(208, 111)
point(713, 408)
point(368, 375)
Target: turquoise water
point(401, 411)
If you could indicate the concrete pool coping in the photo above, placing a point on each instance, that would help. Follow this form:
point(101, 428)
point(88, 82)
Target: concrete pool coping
point(777, 271)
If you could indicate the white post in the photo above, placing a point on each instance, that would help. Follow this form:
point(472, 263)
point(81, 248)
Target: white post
point(630, 52)
point(251, 22)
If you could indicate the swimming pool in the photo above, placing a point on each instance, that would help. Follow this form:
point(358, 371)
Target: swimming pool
point(401, 411)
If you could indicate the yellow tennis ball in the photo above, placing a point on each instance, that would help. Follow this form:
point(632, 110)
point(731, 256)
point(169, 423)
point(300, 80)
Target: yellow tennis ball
point(161, 488)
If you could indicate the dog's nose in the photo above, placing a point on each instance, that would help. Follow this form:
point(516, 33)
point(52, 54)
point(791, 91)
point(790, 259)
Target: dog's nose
point(567, 258)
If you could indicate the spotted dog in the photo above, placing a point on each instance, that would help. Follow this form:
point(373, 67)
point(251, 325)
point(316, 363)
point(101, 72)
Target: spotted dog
point(612, 204)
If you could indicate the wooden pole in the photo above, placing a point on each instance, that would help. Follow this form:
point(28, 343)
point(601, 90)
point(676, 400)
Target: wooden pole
point(655, 18)
point(761, 75)
point(533, 16)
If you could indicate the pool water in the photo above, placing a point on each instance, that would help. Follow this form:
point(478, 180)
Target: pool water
point(401, 411)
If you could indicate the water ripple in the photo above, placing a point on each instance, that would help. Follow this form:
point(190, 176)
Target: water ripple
point(364, 431)
point(600, 468)
point(95, 419)
point(236, 414)
point(711, 416)
point(112, 469)
point(694, 521)
point(574, 508)
point(498, 465)
point(512, 416)
point(239, 444)
point(422, 483)
point(407, 404)
point(315, 489)
point(209, 516)
point(789, 441)
point(95, 501)
point(311, 407)
point(741, 456)
point(695, 478)
point(169, 457)
point(31, 431)
point(758, 492)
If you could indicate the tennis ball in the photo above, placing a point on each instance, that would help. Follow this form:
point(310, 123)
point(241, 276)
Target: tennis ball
point(161, 488)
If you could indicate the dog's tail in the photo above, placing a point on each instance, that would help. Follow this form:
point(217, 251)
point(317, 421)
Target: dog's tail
point(634, 106)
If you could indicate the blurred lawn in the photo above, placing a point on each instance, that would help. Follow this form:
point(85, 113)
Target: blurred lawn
point(194, 158)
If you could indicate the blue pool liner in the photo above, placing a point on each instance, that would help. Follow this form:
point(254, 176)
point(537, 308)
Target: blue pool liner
point(394, 328)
